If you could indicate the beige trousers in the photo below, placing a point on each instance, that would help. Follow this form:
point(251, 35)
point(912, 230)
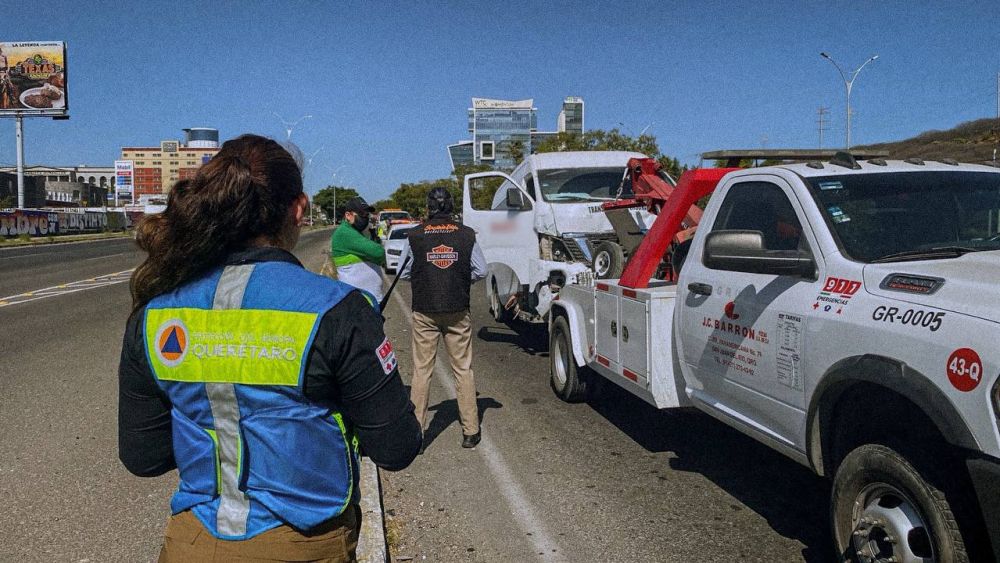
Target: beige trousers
point(456, 328)
point(335, 541)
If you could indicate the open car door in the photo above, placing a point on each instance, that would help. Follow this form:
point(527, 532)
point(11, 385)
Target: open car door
point(503, 216)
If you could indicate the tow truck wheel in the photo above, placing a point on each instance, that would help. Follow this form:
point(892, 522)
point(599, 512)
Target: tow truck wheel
point(564, 378)
point(609, 260)
point(882, 509)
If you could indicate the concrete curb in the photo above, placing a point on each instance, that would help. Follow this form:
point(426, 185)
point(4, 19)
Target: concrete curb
point(371, 545)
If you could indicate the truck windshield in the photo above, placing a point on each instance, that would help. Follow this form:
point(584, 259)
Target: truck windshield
point(394, 216)
point(891, 217)
point(399, 234)
point(568, 185)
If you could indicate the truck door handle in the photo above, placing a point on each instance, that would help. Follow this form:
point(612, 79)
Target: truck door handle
point(700, 288)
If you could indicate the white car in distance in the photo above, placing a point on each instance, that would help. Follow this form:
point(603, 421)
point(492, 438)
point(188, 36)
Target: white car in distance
point(393, 244)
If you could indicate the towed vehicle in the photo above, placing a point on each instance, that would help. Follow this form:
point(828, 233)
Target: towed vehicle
point(844, 313)
point(544, 227)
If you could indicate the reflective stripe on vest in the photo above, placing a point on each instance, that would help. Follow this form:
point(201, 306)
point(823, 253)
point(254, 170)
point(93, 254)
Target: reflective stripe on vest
point(234, 506)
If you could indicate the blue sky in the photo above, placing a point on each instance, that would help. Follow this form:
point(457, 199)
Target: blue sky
point(388, 84)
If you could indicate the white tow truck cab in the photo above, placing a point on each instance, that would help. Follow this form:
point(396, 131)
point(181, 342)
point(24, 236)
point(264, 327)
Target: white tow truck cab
point(845, 313)
point(544, 227)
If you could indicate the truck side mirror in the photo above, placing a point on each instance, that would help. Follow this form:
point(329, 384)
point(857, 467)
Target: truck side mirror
point(515, 199)
point(744, 251)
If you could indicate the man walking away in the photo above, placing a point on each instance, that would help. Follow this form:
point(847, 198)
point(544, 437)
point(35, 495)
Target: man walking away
point(357, 258)
point(445, 261)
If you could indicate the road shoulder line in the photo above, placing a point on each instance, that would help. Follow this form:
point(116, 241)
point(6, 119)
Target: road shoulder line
point(523, 512)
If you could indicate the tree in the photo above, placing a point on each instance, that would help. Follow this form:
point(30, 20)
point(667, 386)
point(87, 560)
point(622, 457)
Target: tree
point(613, 140)
point(325, 200)
point(516, 151)
point(600, 140)
point(412, 196)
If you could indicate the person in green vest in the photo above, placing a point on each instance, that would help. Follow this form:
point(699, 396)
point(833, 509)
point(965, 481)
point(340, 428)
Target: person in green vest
point(358, 259)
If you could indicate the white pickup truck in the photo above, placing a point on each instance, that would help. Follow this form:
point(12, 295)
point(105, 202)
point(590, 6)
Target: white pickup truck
point(545, 227)
point(845, 313)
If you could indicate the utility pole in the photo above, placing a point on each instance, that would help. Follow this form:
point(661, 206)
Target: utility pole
point(821, 122)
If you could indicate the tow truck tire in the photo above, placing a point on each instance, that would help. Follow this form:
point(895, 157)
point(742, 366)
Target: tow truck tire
point(881, 507)
point(564, 375)
point(609, 260)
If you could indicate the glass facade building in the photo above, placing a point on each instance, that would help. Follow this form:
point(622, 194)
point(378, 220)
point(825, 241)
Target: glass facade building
point(571, 116)
point(504, 131)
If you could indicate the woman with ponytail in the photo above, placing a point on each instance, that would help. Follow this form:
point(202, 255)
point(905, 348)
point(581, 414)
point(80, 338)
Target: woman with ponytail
point(256, 379)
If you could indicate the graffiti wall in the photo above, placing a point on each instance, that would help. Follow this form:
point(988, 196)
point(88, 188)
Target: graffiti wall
point(42, 223)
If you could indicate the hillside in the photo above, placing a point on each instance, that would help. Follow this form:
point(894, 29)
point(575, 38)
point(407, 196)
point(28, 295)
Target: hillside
point(972, 141)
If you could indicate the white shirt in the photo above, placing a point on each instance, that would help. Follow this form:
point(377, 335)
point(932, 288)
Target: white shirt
point(362, 275)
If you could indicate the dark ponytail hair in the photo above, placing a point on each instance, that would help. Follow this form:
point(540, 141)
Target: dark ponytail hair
point(240, 196)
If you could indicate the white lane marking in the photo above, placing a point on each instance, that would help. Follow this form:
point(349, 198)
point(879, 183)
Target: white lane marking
point(521, 509)
point(103, 257)
point(66, 288)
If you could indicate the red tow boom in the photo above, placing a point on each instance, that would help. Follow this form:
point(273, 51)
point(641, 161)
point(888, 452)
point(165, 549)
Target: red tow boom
point(675, 209)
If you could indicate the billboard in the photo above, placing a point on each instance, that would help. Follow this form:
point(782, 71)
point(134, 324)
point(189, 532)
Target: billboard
point(33, 78)
point(124, 180)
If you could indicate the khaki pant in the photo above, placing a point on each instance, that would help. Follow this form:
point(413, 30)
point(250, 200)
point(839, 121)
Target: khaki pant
point(335, 541)
point(456, 328)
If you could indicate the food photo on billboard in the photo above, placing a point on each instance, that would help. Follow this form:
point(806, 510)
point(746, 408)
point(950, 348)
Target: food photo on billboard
point(33, 78)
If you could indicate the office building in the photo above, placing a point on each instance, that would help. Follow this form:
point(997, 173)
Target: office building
point(61, 186)
point(158, 168)
point(503, 131)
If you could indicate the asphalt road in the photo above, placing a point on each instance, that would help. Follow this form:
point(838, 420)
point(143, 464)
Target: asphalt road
point(614, 480)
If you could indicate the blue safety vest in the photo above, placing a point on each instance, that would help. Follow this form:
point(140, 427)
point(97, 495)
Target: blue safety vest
point(230, 351)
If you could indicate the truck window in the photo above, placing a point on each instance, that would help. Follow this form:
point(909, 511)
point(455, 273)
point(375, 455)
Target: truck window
point(764, 207)
point(875, 216)
point(573, 185)
point(485, 193)
point(529, 185)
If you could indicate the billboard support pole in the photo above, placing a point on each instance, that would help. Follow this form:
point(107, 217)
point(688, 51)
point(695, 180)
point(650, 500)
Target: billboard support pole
point(19, 120)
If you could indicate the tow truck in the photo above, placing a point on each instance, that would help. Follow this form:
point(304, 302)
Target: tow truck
point(844, 313)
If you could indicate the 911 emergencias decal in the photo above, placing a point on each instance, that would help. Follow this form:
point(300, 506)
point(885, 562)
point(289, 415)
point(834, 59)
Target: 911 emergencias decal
point(837, 293)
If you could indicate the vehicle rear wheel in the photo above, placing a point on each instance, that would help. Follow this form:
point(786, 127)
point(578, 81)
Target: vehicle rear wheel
point(565, 377)
point(609, 260)
point(883, 509)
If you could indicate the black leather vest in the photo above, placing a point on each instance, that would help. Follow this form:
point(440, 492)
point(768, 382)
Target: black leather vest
point(441, 273)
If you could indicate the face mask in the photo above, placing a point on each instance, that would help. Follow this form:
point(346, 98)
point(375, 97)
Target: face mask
point(360, 223)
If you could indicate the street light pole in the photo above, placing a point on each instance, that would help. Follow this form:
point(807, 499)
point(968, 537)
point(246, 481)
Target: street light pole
point(308, 164)
point(333, 179)
point(289, 125)
point(848, 83)
point(19, 127)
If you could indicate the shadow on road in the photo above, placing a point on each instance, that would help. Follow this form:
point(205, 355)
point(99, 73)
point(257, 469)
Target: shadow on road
point(532, 339)
point(793, 500)
point(446, 413)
